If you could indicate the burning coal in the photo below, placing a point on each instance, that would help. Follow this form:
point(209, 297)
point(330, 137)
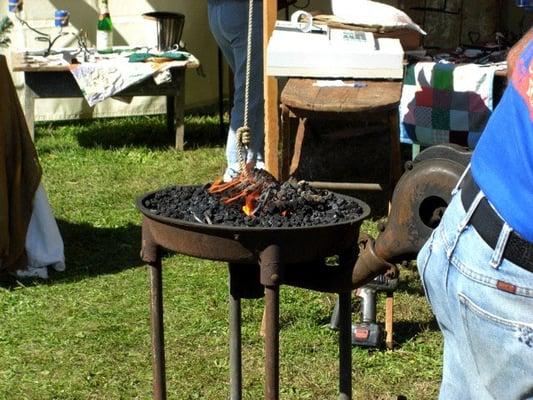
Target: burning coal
point(255, 199)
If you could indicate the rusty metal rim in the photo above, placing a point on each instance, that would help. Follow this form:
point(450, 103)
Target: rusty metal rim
point(240, 229)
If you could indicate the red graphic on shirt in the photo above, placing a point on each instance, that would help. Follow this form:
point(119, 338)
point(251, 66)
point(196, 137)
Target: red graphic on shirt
point(523, 78)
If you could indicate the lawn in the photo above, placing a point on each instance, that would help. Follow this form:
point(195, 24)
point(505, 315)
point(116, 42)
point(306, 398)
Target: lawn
point(84, 333)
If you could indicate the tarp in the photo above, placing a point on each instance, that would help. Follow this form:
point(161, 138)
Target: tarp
point(20, 174)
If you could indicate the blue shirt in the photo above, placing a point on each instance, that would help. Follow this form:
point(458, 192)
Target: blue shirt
point(502, 163)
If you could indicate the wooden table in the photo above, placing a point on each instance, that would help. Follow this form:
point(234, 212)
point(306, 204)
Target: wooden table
point(301, 99)
point(45, 81)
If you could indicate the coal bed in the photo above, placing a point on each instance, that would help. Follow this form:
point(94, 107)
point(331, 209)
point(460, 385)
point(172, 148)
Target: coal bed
point(286, 205)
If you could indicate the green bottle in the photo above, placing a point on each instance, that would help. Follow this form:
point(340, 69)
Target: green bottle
point(104, 30)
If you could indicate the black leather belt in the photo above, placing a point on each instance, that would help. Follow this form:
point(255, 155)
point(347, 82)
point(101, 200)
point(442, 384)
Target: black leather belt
point(489, 225)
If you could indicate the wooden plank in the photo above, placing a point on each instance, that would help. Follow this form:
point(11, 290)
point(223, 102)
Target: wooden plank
point(270, 94)
point(389, 320)
point(373, 96)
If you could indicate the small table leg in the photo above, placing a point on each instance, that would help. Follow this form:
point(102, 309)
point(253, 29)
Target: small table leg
point(29, 110)
point(175, 116)
point(176, 113)
point(156, 323)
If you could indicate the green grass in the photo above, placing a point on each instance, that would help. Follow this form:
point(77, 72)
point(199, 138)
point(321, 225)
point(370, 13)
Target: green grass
point(84, 334)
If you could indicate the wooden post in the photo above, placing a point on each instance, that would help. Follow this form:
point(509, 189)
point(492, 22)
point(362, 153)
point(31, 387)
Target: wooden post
point(29, 110)
point(270, 13)
point(389, 320)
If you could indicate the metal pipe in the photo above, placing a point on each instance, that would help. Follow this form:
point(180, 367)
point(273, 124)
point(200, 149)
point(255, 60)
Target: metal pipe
point(272, 343)
point(368, 296)
point(271, 272)
point(374, 187)
point(156, 323)
point(345, 346)
point(235, 346)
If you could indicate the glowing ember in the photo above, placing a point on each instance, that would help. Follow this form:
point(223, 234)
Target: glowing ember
point(251, 187)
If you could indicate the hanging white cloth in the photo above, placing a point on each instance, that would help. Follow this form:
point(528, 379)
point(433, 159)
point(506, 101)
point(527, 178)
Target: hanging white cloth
point(44, 245)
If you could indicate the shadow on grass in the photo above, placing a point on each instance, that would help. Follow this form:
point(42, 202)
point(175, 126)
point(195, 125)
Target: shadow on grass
point(91, 251)
point(405, 331)
point(201, 130)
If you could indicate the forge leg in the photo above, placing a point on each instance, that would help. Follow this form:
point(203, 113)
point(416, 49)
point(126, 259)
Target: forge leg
point(235, 348)
point(235, 341)
point(345, 346)
point(271, 272)
point(272, 343)
point(347, 258)
point(156, 322)
point(150, 253)
point(243, 284)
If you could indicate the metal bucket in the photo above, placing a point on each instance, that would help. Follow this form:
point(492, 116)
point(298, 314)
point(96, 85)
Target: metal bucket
point(165, 28)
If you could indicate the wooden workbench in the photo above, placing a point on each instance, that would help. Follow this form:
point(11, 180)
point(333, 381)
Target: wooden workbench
point(56, 81)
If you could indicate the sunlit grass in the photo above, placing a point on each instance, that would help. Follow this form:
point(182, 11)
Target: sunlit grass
point(85, 333)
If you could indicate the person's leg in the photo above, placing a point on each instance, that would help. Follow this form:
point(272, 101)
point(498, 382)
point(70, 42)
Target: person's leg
point(488, 332)
point(434, 269)
point(493, 306)
point(215, 15)
point(229, 24)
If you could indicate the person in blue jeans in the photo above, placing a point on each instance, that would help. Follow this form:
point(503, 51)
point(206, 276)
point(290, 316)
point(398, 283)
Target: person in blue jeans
point(477, 266)
point(228, 20)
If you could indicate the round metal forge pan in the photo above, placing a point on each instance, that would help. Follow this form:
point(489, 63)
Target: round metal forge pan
point(243, 244)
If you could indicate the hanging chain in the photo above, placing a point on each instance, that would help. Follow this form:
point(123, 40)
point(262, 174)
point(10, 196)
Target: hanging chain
point(244, 135)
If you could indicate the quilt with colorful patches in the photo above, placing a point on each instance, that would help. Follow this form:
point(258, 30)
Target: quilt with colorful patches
point(445, 103)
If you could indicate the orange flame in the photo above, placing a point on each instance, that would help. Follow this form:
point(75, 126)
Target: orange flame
point(250, 203)
point(244, 187)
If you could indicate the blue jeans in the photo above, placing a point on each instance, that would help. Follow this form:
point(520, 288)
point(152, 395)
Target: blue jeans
point(228, 20)
point(488, 332)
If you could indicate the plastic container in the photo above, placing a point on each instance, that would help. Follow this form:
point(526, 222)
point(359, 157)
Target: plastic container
point(15, 6)
point(61, 18)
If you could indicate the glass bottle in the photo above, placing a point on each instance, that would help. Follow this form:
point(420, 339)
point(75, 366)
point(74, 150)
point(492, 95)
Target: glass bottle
point(104, 30)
